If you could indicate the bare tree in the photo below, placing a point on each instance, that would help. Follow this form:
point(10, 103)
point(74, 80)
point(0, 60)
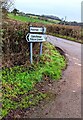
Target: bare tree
point(5, 5)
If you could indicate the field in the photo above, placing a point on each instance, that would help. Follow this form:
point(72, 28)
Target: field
point(32, 19)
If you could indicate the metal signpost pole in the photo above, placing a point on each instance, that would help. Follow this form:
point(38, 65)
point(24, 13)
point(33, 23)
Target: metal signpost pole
point(41, 44)
point(31, 53)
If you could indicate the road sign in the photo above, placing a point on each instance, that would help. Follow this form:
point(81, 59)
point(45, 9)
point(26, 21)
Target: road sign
point(37, 29)
point(35, 37)
point(36, 34)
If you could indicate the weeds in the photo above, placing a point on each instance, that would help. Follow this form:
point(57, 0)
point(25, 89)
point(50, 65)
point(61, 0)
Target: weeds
point(19, 81)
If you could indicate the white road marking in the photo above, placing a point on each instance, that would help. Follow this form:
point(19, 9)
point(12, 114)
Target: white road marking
point(78, 64)
point(75, 58)
point(66, 54)
point(74, 91)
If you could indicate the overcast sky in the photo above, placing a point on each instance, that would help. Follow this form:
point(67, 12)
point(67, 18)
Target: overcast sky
point(60, 8)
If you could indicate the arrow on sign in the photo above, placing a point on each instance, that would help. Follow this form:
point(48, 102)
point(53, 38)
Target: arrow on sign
point(35, 37)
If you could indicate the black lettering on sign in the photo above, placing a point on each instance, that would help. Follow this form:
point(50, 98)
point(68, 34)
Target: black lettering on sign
point(36, 36)
point(34, 29)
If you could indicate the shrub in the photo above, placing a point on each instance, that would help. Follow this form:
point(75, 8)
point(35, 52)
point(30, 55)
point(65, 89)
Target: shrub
point(15, 47)
point(70, 31)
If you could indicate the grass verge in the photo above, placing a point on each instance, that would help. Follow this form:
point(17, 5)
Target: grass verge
point(18, 83)
point(67, 37)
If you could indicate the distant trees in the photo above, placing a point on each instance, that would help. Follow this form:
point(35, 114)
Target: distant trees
point(74, 23)
point(15, 11)
point(22, 13)
point(42, 18)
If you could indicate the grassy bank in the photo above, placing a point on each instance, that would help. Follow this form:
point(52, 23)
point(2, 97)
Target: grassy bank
point(19, 82)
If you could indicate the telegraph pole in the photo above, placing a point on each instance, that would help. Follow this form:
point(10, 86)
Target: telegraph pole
point(65, 19)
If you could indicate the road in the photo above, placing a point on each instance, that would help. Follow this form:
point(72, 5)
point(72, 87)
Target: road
point(71, 48)
point(67, 103)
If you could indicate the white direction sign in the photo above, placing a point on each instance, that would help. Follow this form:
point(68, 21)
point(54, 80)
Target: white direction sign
point(35, 37)
point(37, 29)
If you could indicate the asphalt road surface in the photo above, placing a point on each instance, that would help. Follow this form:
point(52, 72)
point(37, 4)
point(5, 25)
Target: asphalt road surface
point(67, 104)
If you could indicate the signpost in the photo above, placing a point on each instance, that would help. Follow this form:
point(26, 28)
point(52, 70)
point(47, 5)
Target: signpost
point(36, 34)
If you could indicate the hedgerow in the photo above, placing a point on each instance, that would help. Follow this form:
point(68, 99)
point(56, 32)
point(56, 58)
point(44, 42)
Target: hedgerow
point(15, 47)
point(70, 31)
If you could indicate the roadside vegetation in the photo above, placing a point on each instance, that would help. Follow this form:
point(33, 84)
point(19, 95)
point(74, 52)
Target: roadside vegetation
point(67, 37)
point(19, 82)
point(73, 33)
point(19, 78)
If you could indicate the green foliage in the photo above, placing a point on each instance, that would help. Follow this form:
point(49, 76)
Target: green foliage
point(31, 19)
point(19, 81)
